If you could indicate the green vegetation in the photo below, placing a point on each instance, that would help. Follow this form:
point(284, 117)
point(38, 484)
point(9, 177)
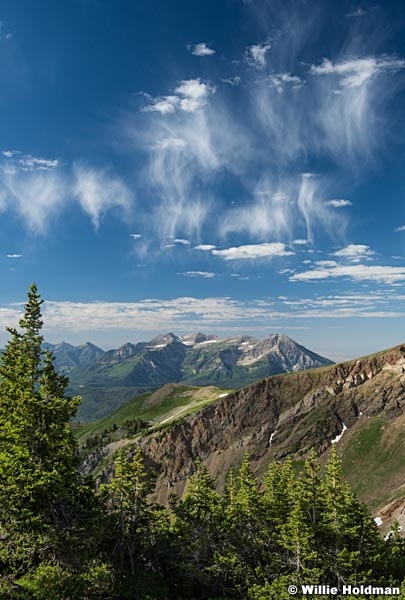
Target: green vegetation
point(152, 409)
point(61, 539)
point(373, 456)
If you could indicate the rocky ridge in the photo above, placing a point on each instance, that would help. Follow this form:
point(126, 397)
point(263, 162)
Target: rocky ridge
point(193, 359)
point(282, 415)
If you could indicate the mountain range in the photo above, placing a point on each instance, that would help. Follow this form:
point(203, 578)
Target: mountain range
point(107, 379)
point(358, 405)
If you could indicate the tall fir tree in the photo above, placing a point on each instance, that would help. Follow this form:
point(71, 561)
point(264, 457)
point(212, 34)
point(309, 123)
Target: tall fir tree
point(44, 503)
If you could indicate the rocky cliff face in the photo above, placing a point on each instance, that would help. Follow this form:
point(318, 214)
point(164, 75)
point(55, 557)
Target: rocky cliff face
point(279, 416)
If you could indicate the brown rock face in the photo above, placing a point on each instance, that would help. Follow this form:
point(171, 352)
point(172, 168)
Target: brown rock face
point(279, 416)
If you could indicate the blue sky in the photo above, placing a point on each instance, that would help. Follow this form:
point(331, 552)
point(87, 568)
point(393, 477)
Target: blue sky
point(228, 167)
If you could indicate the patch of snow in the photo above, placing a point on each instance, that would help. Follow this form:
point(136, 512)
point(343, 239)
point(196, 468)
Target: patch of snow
point(223, 395)
point(272, 436)
point(389, 534)
point(378, 521)
point(207, 342)
point(339, 437)
point(153, 364)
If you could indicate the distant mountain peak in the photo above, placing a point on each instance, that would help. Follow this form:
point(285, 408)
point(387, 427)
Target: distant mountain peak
point(191, 339)
point(90, 346)
point(163, 340)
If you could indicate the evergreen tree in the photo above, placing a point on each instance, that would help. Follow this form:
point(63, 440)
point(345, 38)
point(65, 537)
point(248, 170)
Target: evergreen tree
point(131, 514)
point(197, 527)
point(348, 535)
point(297, 537)
point(44, 504)
point(278, 497)
point(245, 534)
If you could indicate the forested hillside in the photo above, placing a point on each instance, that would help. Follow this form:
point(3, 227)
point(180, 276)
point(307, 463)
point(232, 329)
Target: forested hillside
point(61, 538)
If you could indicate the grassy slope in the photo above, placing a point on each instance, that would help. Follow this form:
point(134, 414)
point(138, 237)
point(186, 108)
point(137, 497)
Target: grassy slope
point(168, 403)
point(373, 462)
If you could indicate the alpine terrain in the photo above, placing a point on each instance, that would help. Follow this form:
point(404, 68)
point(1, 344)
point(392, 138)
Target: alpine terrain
point(105, 380)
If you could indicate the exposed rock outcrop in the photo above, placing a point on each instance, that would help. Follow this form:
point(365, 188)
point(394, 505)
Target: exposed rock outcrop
point(306, 409)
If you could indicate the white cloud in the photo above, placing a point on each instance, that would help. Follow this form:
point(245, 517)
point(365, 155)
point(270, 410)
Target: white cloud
point(255, 55)
point(260, 149)
point(349, 111)
point(338, 203)
point(14, 255)
point(33, 163)
point(354, 252)
point(281, 209)
point(193, 94)
point(9, 153)
point(135, 236)
point(355, 72)
point(233, 81)
point(201, 49)
point(66, 319)
point(401, 228)
point(167, 143)
point(382, 274)
point(165, 105)
point(205, 247)
point(189, 96)
point(281, 80)
point(253, 251)
point(325, 263)
point(182, 241)
point(300, 242)
point(181, 176)
point(197, 274)
point(37, 196)
point(98, 192)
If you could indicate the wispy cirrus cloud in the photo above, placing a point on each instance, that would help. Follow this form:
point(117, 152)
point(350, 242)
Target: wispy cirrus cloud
point(297, 114)
point(233, 81)
point(401, 228)
point(357, 12)
point(284, 209)
point(34, 163)
point(98, 192)
point(356, 72)
point(352, 95)
point(256, 54)
point(281, 80)
point(37, 196)
point(39, 189)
